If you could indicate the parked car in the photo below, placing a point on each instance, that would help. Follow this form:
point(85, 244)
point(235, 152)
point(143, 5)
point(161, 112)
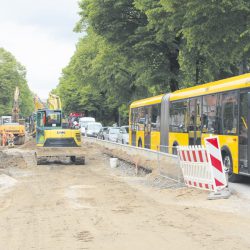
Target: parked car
point(83, 121)
point(112, 134)
point(123, 136)
point(102, 133)
point(93, 128)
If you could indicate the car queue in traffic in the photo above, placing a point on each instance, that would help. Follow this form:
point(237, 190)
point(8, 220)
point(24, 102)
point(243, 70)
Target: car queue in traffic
point(90, 128)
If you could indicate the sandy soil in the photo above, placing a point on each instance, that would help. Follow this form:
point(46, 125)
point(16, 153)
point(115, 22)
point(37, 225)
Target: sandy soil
point(95, 207)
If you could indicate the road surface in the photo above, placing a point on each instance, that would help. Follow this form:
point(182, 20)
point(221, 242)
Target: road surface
point(95, 207)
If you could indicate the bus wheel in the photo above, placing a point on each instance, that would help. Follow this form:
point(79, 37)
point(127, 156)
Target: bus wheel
point(228, 164)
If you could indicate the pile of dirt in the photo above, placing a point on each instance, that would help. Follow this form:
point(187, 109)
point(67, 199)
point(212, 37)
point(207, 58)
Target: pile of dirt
point(11, 160)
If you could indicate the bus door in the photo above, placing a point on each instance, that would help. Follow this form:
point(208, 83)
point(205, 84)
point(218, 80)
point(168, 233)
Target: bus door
point(134, 137)
point(194, 126)
point(244, 133)
point(147, 130)
point(134, 127)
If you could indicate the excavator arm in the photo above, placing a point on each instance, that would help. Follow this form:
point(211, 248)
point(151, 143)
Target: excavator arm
point(15, 110)
point(54, 102)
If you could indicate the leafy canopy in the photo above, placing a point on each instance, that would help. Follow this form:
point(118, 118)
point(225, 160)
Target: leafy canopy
point(13, 74)
point(133, 49)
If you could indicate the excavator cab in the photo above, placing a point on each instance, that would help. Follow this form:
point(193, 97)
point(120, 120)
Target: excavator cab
point(49, 131)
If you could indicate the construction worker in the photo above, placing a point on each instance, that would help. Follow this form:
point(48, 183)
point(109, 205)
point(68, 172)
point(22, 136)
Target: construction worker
point(10, 140)
point(4, 138)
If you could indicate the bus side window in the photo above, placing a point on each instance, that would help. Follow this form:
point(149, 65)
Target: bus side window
point(134, 113)
point(155, 123)
point(229, 113)
point(198, 113)
point(178, 116)
point(158, 118)
point(192, 114)
point(209, 114)
point(148, 114)
point(243, 126)
point(141, 118)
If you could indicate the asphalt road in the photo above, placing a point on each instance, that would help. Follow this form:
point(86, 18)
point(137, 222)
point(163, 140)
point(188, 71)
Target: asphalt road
point(242, 189)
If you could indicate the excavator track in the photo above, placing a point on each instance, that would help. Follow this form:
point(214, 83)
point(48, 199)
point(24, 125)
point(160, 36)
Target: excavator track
point(46, 155)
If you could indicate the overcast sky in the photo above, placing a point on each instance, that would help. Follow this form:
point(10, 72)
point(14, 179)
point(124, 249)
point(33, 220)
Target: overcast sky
point(39, 34)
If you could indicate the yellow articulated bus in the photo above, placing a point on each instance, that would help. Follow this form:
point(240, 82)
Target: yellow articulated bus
point(187, 116)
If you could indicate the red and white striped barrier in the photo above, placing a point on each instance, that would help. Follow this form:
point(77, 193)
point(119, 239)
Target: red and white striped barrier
point(202, 167)
point(215, 160)
point(195, 167)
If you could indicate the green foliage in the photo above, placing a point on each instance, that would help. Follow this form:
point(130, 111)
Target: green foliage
point(215, 37)
point(13, 74)
point(133, 49)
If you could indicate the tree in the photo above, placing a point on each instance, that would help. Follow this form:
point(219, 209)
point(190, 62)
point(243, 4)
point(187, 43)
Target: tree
point(133, 49)
point(13, 74)
point(134, 27)
point(215, 35)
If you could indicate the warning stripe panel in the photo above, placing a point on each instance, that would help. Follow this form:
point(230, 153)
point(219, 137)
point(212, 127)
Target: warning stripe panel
point(183, 155)
point(213, 141)
point(189, 157)
point(193, 155)
point(214, 151)
point(218, 183)
point(200, 185)
point(206, 156)
point(216, 163)
point(200, 155)
point(217, 169)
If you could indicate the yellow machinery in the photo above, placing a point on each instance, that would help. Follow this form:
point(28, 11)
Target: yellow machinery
point(9, 128)
point(54, 102)
point(54, 141)
point(10, 125)
point(32, 119)
point(15, 110)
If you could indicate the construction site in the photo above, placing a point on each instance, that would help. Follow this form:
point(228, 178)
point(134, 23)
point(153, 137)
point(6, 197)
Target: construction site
point(60, 205)
point(132, 133)
point(62, 190)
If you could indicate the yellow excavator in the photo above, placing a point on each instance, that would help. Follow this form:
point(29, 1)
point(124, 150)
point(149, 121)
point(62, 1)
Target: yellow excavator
point(38, 104)
point(52, 140)
point(9, 125)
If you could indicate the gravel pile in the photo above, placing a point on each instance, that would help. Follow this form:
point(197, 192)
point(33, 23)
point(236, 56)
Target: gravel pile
point(128, 169)
point(163, 182)
point(151, 179)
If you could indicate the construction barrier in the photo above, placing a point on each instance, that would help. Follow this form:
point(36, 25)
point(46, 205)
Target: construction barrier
point(203, 167)
point(215, 160)
point(195, 167)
